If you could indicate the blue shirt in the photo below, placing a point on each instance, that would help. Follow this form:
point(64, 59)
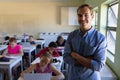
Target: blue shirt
point(92, 43)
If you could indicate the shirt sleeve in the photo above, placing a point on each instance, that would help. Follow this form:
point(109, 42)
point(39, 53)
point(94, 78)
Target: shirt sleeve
point(41, 52)
point(67, 52)
point(100, 57)
point(55, 53)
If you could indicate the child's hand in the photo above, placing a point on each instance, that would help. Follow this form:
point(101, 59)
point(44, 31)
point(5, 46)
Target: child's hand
point(21, 75)
point(1, 56)
point(59, 77)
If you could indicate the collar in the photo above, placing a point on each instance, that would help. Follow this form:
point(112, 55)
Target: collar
point(90, 31)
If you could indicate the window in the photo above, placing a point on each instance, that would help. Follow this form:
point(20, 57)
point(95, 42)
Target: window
point(95, 19)
point(73, 18)
point(111, 27)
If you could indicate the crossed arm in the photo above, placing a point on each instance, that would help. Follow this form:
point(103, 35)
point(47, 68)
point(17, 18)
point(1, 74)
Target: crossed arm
point(81, 60)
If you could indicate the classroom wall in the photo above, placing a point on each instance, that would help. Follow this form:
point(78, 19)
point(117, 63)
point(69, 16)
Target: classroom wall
point(17, 18)
point(115, 66)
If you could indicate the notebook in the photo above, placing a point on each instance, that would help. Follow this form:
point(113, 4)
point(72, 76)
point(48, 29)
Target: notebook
point(37, 76)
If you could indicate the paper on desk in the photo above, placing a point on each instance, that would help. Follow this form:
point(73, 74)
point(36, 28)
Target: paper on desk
point(11, 56)
point(26, 48)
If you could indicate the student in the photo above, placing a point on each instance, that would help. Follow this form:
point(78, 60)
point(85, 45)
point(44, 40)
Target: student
point(45, 66)
point(51, 48)
point(31, 40)
point(13, 48)
point(60, 41)
point(6, 42)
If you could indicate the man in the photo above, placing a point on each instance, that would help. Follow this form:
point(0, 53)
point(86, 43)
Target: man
point(85, 48)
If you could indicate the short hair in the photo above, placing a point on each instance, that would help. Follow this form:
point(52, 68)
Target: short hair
point(85, 5)
point(7, 38)
point(59, 37)
point(52, 44)
point(31, 36)
point(12, 39)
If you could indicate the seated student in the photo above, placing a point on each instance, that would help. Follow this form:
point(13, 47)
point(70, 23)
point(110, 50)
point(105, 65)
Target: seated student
point(60, 41)
point(13, 48)
point(51, 48)
point(31, 40)
point(6, 42)
point(45, 66)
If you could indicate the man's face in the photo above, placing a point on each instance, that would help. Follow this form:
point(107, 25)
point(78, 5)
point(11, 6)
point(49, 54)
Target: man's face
point(84, 18)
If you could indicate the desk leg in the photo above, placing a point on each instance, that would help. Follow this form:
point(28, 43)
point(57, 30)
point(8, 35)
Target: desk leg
point(10, 74)
point(41, 46)
point(30, 57)
point(35, 52)
point(62, 52)
point(21, 66)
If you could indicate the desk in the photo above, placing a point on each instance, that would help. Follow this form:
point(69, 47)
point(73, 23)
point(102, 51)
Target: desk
point(40, 42)
point(2, 47)
point(60, 49)
point(9, 65)
point(19, 40)
point(23, 38)
point(58, 64)
point(29, 49)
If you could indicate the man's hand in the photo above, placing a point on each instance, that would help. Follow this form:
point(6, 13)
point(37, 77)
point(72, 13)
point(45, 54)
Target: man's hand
point(75, 55)
point(85, 61)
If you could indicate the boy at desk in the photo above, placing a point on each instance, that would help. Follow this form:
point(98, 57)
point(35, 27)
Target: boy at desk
point(31, 40)
point(45, 66)
point(51, 48)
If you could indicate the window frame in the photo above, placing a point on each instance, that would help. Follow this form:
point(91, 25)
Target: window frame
point(111, 28)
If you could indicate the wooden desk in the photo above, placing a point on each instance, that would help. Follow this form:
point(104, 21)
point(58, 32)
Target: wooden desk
point(9, 65)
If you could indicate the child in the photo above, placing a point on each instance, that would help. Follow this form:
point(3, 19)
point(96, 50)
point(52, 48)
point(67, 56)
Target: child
point(31, 40)
point(51, 48)
point(13, 48)
point(60, 41)
point(45, 66)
